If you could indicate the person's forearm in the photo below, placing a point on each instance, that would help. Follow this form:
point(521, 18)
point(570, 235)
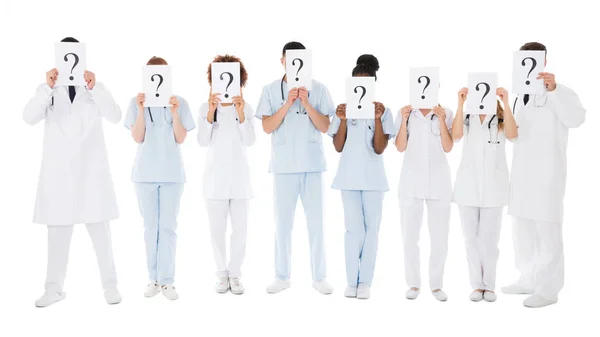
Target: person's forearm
point(138, 131)
point(339, 139)
point(402, 137)
point(320, 121)
point(511, 130)
point(447, 142)
point(380, 140)
point(178, 130)
point(458, 124)
point(271, 123)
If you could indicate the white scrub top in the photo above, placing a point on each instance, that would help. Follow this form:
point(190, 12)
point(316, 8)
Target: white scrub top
point(158, 158)
point(226, 171)
point(425, 171)
point(482, 177)
point(360, 168)
point(296, 146)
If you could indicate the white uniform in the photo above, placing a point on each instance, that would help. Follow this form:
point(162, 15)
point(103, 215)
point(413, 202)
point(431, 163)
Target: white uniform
point(425, 177)
point(537, 186)
point(481, 192)
point(227, 187)
point(75, 185)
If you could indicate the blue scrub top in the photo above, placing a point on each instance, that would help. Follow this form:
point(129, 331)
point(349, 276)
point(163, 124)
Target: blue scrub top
point(360, 168)
point(158, 158)
point(296, 146)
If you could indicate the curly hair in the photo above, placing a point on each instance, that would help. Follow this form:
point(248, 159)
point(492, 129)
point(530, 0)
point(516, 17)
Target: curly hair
point(229, 58)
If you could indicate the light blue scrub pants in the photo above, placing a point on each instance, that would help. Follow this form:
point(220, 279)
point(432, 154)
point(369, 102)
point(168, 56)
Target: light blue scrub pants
point(159, 205)
point(362, 215)
point(287, 188)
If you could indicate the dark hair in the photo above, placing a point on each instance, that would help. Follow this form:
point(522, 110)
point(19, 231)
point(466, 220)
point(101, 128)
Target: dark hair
point(293, 45)
point(69, 39)
point(156, 61)
point(229, 58)
point(534, 46)
point(366, 64)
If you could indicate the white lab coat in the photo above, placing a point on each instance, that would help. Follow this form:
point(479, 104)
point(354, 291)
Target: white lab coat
point(75, 184)
point(539, 169)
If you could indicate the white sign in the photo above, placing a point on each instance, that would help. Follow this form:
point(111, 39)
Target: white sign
point(481, 99)
point(527, 64)
point(360, 95)
point(70, 63)
point(156, 80)
point(298, 68)
point(424, 87)
point(226, 80)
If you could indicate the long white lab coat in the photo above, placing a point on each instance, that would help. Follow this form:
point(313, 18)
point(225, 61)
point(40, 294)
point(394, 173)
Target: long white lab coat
point(539, 169)
point(75, 184)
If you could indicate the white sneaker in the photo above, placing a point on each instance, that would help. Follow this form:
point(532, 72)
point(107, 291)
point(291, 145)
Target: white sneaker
point(49, 298)
point(412, 294)
point(517, 289)
point(323, 287)
point(169, 292)
point(489, 296)
point(363, 292)
point(350, 292)
point(236, 286)
point(476, 296)
point(222, 285)
point(278, 285)
point(152, 290)
point(112, 296)
point(440, 295)
point(537, 301)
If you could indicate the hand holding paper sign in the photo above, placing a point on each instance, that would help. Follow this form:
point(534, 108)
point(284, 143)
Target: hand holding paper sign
point(303, 95)
point(51, 77)
point(549, 80)
point(379, 110)
point(141, 97)
point(174, 102)
point(239, 103)
point(90, 79)
point(340, 112)
point(462, 96)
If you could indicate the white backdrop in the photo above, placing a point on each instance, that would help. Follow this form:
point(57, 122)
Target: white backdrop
point(458, 36)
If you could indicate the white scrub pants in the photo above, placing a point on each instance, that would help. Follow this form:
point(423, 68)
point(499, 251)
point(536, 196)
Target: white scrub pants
point(539, 256)
point(217, 219)
point(438, 221)
point(362, 215)
point(287, 189)
point(159, 206)
point(59, 243)
point(481, 228)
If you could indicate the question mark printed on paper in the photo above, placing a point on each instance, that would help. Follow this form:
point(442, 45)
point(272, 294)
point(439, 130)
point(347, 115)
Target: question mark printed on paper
point(364, 92)
point(487, 91)
point(533, 64)
point(426, 85)
point(76, 58)
point(228, 84)
point(299, 68)
point(159, 82)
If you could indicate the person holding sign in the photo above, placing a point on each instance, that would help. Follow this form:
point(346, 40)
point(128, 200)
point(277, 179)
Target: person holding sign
point(227, 130)
point(424, 136)
point(295, 120)
point(158, 175)
point(481, 187)
point(362, 181)
point(537, 186)
point(75, 184)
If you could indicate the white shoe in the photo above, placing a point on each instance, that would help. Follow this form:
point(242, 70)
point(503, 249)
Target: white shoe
point(489, 296)
point(516, 289)
point(440, 295)
point(476, 296)
point(278, 285)
point(169, 292)
point(323, 287)
point(537, 301)
point(222, 285)
point(350, 292)
point(363, 292)
point(412, 294)
point(49, 298)
point(236, 286)
point(152, 290)
point(112, 296)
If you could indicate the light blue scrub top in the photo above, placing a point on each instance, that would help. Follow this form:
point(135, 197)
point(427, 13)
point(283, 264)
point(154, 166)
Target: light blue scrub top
point(360, 168)
point(296, 146)
point(158, 158)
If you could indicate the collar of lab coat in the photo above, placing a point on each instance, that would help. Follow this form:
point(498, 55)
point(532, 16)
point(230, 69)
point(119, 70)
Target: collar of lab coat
point(420, 114)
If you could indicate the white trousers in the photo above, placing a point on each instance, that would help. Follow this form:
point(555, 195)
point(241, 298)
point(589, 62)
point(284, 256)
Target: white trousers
point(59, 243)
point(217, 219)
point(539, 256)
point(481, 228)
point(438, 221)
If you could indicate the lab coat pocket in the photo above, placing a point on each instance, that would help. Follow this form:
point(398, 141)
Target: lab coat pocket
point(314, 135)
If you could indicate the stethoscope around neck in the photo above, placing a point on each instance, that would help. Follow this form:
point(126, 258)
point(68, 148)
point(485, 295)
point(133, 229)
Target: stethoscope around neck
point(152, 117)
point(430, 124)
point(299, 112)
point(500, 120)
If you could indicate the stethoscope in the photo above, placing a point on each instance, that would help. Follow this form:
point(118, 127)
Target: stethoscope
point(215, 123)
point(430, 124)
point(500, 120)
point(302, 111)
point(152, 118)
point(353, 123)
